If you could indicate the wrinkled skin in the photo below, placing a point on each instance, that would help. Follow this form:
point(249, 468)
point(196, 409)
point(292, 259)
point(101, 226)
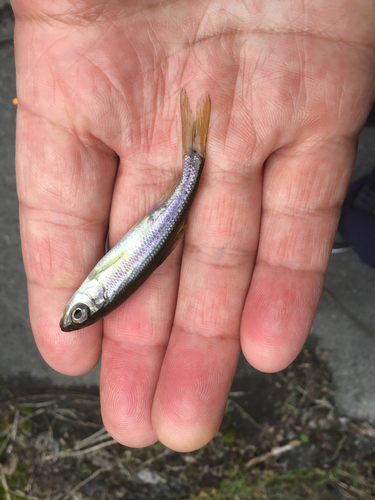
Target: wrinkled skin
point(98, 140)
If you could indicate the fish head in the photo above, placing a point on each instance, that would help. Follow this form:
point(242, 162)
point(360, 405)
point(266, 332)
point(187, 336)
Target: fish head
point(84, 307)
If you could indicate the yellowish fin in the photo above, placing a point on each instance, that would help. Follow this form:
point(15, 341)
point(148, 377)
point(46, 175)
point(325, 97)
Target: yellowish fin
point(169, 190)
point(178, 236)
point(201, 124)
point(194, 132)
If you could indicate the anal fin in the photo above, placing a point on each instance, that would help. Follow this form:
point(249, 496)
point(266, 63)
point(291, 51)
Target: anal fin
point(176, 239)
point(178, 236)
point(169, 190)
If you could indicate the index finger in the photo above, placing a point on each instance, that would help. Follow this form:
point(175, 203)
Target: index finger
point(64, 189)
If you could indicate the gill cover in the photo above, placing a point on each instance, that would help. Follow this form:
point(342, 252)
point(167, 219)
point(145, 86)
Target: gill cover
point(83, 306)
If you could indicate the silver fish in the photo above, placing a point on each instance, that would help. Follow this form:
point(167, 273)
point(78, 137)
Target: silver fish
point(134, 258)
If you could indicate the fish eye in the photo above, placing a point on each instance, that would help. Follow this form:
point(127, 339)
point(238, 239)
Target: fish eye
point(80, 314)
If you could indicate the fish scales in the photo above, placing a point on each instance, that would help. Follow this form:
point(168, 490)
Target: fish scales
point(150, 235)
point(133, 259)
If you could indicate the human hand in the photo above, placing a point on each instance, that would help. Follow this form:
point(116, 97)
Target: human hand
point(98, 140)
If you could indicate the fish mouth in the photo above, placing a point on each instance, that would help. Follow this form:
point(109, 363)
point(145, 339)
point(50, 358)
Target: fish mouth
point(72, 327)
point(64, 326)
point(67, 328)
point(66, 323)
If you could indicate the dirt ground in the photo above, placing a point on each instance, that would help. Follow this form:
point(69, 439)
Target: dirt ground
point(281, 438)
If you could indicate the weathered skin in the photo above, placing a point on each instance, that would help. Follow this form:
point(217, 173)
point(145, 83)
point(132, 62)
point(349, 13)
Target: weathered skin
point(134, 258)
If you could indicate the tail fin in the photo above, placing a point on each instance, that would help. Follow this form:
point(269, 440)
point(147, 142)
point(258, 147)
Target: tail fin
point(194, 132)
point(201, 124)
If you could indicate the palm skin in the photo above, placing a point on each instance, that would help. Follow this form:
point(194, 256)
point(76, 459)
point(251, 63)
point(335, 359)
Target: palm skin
point(98, 140)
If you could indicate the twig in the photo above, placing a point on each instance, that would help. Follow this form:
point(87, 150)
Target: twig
point(237, 394)
point(15, 424)
point(11, 465)
point(8, 442)
point(5, 443)
point(323, 403)
point(152, 459)
point(67, 411)
point(338, 449)
point(83, 397)
point(93, 438)
point(275, 452)
point(305, 394)
point(53, 443)
point(31, 415)
point(41, 405)
point(122, 467)
point(4, 483)
point(364, 428)
point(352, 489)
point(360, 480)
point(19, 493)
point(245, 414)
point(85, 481)
point(29, 487)
point(79, 453)
point(59, 416)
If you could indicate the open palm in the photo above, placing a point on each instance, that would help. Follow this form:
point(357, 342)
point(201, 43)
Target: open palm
point(99, 139)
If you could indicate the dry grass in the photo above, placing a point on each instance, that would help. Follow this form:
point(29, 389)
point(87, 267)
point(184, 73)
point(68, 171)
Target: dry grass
point(283, 441)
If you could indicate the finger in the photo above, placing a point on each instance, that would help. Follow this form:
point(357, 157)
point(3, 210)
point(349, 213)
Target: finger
point(133, 349)
point(219, 252)
point(136, 334)
point(64, 189)
point(304, 187)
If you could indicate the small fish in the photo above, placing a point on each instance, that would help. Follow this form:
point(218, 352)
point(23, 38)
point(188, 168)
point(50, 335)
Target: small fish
point(134, 258)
